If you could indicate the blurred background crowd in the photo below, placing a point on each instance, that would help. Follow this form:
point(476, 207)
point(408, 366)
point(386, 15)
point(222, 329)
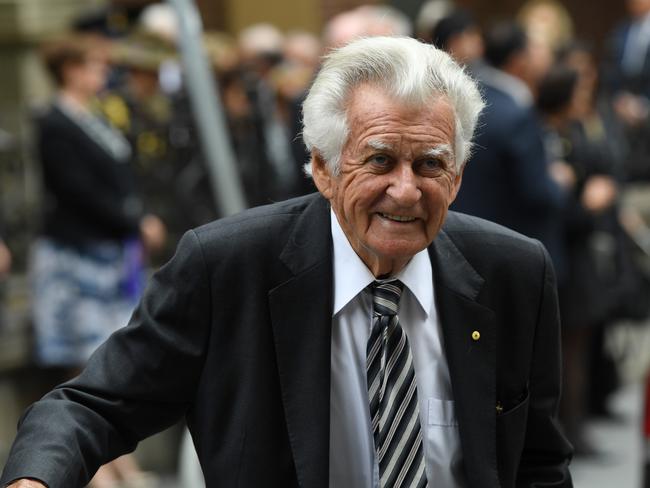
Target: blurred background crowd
point(110, 114)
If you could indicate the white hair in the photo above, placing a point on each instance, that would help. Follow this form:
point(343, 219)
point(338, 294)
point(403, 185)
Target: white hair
point(413, 72)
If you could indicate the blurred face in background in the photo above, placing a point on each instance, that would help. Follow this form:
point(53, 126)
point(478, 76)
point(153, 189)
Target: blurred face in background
point(547, 21)
point(467, 46)
point(638, 8)
point(86, 78)
point(583, 101)
point(539, 58)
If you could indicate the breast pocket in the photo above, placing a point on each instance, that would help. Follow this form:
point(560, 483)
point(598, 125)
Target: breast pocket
point(442, 443)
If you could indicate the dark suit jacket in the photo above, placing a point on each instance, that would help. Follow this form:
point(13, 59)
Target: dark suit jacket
point(615, 77)
point(89, 195)
point(234, 333)
point(615, 80)
point(506, 180)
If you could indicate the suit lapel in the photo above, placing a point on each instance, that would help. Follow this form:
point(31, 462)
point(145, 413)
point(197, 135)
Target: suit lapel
point(301, 310)
point(471, 359)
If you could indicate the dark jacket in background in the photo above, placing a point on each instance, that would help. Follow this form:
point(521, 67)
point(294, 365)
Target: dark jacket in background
point(89, 195)
point(616, 77)
point(507, 180)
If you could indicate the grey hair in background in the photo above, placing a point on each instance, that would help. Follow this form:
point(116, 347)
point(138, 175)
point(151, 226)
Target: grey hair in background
point(413, 72)
point(385, 20)
point(431, 12)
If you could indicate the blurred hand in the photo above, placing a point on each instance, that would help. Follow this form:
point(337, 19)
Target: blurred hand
point(599, 193)
point(25, 483)
point(5, 259)
point(153, 233)
point(631, 109)
point(562, 174)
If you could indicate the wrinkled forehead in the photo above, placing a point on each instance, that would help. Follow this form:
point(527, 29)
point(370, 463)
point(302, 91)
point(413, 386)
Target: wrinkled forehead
point(373, 113)
point(409, 99)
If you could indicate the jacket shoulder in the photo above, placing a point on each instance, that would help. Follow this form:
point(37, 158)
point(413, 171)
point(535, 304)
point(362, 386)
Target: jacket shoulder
point(458, 222)
point(259, 235)
point(482, 240)
point(54, 125)
point(502, 110)
point(259, 223)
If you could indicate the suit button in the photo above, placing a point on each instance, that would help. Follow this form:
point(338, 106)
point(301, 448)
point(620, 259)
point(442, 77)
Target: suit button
point(476, 335)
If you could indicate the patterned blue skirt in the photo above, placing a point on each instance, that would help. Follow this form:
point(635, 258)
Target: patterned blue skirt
point(80, 297)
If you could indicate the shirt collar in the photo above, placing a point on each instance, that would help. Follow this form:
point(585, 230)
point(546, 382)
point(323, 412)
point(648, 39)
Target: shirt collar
point(351, 275)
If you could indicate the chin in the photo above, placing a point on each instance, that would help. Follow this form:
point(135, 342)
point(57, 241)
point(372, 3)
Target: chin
point(400, 251)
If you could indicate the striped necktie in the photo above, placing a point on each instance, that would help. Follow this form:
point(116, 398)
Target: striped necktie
point(392, 393)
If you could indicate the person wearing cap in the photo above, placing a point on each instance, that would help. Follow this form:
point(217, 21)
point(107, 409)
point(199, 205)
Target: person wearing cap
point(144, 114)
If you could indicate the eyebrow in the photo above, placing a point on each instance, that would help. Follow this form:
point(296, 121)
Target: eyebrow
point(379, 145)
point(444, 150)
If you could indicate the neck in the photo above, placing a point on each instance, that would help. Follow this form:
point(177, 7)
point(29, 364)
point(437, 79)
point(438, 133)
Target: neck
point(382, 269)
point(75, 99)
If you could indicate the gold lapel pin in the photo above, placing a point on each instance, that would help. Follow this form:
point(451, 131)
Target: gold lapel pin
point(476, 335)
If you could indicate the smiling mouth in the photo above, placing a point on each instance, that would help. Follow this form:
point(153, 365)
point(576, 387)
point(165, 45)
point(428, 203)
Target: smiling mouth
point(397, 218)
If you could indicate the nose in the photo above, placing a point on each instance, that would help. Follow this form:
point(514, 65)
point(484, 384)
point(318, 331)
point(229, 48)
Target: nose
point(404, 186)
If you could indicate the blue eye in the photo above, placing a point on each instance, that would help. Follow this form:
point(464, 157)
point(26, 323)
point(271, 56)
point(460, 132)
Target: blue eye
point(380, 159)
point(432, 163)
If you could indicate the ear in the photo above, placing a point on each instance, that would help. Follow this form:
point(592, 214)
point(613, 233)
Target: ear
point(321, 174)
point(456, 184)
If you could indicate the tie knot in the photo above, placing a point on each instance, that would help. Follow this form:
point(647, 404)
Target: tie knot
point(385, 296)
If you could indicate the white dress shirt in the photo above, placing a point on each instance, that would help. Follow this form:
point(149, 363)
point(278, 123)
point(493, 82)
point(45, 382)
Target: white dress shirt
point(352, 450)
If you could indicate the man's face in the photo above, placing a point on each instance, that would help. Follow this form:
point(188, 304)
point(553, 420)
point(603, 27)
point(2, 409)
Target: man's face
point(397, 177)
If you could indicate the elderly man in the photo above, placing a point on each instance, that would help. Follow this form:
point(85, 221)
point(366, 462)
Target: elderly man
point(359, 337)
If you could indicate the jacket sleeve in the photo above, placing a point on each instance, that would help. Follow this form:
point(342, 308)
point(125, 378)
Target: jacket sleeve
point(140, 381)
point(546, 454)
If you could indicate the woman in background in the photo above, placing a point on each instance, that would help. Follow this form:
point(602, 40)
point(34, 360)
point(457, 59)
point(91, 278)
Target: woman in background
point(87, 262)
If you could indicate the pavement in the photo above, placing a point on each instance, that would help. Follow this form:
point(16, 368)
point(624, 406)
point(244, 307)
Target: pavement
point(621, 443)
